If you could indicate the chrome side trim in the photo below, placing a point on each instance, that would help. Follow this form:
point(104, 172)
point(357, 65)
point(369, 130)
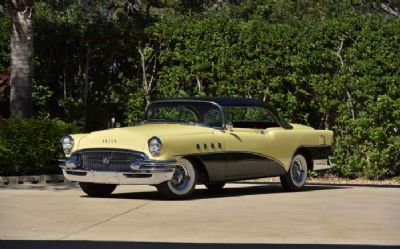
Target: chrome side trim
point(223, 153)
point(238, 165)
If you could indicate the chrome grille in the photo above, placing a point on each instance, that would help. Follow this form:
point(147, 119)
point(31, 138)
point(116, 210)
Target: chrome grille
point(108, 160)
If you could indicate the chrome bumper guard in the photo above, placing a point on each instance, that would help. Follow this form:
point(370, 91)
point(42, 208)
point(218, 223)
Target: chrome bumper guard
point(147, 172)
point(321, 164)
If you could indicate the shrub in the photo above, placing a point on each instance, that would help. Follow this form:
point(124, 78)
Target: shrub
point(31, 146)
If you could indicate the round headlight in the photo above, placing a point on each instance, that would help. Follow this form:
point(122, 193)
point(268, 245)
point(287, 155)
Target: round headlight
point(67, 142)
point(154, 146)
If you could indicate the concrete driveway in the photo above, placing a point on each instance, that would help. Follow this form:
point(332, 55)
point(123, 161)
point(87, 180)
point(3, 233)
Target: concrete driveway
point(250, 215)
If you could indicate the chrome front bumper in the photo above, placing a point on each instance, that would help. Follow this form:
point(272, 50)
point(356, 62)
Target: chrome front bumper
point(149, 172)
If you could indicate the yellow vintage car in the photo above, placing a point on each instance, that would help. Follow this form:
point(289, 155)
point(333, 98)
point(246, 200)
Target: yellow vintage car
point(184, 142)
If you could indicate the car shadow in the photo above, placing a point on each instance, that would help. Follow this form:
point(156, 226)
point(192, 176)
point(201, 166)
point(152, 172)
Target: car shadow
point(249, 189)
point(41, 186)
point(59, 244)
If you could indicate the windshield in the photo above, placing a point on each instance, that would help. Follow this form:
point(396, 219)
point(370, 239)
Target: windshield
point(199, 113)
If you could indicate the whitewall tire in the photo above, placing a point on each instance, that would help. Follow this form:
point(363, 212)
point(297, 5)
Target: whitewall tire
point(183, 181)
point(296, 177)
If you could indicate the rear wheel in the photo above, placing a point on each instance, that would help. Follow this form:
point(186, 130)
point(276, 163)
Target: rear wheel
point(97, 189)
point(296, 177)
point(215, 186)
point(182, 183)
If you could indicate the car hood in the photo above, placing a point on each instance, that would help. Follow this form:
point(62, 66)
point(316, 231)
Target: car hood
point(136, 137)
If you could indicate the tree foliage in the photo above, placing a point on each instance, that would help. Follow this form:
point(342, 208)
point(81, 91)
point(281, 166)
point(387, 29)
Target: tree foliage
point(31, 146)
point(329, 65)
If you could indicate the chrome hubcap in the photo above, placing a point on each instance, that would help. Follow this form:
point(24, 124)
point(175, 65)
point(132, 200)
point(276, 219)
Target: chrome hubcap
point(181, 177)
point(298, 171)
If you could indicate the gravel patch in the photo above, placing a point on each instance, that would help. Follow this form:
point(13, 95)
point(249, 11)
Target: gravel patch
point(334, 180)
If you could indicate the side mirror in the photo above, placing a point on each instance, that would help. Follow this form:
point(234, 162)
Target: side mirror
point(229, 126)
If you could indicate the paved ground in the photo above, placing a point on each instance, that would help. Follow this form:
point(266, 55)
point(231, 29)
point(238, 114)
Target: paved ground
point(250, 215)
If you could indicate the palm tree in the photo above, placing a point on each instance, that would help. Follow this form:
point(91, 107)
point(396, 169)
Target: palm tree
point(21, 59)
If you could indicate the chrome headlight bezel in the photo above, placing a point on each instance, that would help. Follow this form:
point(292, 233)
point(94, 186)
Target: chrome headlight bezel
point(67, 143)
point(154, 145)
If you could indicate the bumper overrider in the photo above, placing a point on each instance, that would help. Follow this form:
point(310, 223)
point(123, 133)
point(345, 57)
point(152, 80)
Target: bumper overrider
point(322, 164)
point(148, 172)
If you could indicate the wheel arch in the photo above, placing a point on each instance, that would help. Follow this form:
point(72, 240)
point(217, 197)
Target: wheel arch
point(203, 176)
point(313, 152)
point(307, 154)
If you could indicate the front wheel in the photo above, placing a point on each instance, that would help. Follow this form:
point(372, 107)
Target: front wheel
point(182, 183)
point(97, 189)
point(296, 177)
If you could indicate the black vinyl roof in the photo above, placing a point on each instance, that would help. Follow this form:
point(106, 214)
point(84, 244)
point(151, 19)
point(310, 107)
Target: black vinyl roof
point(225, 101)
point(237, 102)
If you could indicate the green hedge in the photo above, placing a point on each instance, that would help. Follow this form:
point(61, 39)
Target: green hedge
point(31, 146)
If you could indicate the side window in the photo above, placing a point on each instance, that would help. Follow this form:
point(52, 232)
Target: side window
point(259, 114)
point(212, 118)
point(250, 117)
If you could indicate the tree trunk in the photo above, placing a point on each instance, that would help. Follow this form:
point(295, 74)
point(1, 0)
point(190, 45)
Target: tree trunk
point(21, 59)
point(146, 85)
point(4, 94)
point(86, 84)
